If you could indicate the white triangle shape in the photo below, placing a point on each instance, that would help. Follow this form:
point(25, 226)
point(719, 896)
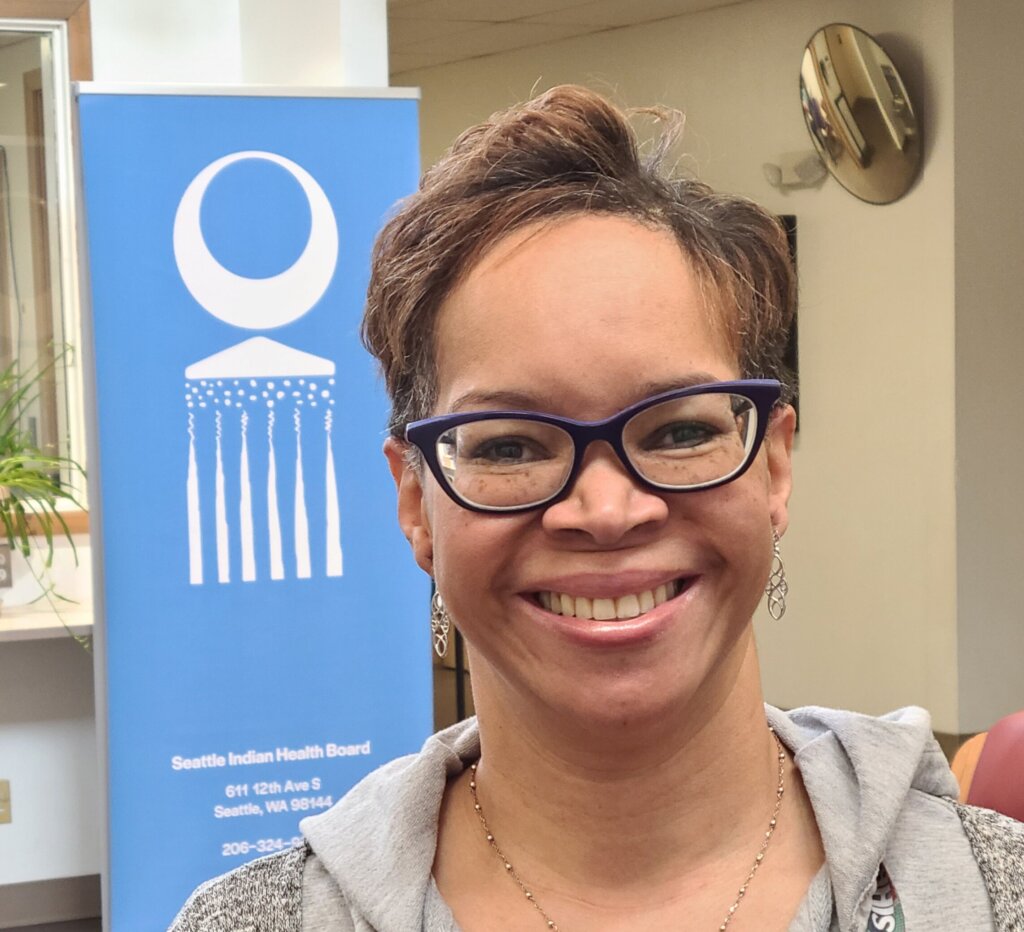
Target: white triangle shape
point(259, 358)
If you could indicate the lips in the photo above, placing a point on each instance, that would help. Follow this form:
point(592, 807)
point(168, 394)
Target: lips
point(619, 608)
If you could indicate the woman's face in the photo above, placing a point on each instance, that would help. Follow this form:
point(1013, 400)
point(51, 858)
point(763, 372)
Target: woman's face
point(581, 318)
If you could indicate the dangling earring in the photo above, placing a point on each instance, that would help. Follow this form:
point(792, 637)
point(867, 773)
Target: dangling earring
point(440, 623)
point(777, 587)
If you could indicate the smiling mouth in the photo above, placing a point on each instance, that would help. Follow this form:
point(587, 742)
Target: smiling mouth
point(618, 609)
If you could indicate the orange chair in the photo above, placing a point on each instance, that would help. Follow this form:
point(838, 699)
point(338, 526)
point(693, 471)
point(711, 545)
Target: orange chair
point(965, 761)
point(990, 768)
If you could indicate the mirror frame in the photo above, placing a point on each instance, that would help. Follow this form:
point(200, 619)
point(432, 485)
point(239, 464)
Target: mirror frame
point(915, 174)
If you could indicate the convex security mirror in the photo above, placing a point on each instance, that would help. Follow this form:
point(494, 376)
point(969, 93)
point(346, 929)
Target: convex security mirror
point(859, 114)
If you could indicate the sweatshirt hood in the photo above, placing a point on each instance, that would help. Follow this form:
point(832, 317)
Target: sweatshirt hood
point(859, 772)
point(378, 843)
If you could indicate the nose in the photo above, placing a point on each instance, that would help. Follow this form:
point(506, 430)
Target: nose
point(605, 502)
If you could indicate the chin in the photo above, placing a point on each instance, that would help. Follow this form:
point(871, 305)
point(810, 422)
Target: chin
point(679, 686)
point(637, 701)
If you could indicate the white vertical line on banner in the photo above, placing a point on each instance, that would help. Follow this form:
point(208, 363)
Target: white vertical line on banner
point(195, 533)
point(223, 560)
point(303, 568)
point(245, 508)
point(334, 560)
point(273, 517)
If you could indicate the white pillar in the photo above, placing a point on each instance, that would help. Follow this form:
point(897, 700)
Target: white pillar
point(310, 43)
point(364, 43)
point(156, 42)
point(318, 43)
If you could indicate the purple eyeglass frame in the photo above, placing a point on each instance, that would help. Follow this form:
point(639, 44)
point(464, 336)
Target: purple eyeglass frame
point(764, 394)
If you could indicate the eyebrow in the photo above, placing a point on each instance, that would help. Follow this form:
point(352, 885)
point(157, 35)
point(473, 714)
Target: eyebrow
point(511, 400)
point(649, 389)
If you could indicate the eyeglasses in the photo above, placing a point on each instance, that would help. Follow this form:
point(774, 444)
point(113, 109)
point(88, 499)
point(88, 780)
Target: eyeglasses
point(679, 441)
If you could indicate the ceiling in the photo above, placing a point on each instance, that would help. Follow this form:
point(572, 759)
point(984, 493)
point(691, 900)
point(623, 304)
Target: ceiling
point(422, 33)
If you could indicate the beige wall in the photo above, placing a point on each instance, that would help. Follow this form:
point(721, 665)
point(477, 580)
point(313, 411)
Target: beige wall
point(871, 553)
point(989, 353)
point(48, 753)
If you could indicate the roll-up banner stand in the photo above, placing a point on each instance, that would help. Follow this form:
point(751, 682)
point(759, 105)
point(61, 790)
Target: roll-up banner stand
point(264, 629)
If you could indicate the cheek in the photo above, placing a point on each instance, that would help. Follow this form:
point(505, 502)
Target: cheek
point(470, 552)
point(752, 544)
point(737, 520)
point(462, 542)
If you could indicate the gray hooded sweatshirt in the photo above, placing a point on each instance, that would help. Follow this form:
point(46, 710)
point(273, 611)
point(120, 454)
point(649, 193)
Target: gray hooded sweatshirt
point(900, 853)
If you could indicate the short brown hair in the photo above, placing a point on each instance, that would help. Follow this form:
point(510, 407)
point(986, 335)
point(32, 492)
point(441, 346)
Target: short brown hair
point(568, 151)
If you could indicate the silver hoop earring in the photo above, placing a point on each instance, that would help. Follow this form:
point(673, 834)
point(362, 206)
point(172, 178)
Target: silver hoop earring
point(777, 588)
point(440, 623)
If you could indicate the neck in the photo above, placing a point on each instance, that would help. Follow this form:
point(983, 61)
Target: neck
point(577, 803)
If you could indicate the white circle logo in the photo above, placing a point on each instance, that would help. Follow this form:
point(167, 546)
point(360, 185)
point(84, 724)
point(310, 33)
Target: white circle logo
point(256, 303)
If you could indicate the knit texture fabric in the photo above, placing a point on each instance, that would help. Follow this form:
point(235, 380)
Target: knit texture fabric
point(261, 896)
point(998, 844)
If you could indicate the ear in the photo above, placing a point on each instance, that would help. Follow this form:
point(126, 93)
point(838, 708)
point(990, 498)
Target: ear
point(779, 447)
point(412, 514)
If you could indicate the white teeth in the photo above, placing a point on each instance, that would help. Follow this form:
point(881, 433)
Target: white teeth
point(625, 606)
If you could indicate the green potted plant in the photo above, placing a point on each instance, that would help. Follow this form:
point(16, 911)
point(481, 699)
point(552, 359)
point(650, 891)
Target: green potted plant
point(31, 489)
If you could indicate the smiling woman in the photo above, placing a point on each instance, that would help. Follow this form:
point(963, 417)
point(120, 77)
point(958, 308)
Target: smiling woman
point(591, 443)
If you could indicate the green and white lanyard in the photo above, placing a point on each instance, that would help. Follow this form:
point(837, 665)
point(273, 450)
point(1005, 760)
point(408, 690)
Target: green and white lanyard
point(886, 912)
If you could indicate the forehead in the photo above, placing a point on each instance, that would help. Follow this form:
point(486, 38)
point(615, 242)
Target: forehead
point(579, 315)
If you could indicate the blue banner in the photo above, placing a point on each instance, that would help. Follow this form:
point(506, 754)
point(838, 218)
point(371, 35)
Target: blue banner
point(266, 631)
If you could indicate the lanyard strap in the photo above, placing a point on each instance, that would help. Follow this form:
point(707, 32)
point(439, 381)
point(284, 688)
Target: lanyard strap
point(886, 911)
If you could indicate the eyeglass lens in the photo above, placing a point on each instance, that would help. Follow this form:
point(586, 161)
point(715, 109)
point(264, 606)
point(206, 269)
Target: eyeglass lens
point(681, 443)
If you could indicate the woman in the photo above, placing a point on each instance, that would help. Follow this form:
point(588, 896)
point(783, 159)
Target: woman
point(592, 448)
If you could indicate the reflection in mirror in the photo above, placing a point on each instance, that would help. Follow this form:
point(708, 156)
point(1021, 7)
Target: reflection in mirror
point(37, 332)
point(859, 114)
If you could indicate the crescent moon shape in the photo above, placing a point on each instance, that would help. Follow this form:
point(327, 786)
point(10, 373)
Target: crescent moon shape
point(256, 303)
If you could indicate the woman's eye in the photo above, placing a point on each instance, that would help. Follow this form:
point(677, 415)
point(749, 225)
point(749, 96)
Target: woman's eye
point(504, 450)
point(683, 434)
